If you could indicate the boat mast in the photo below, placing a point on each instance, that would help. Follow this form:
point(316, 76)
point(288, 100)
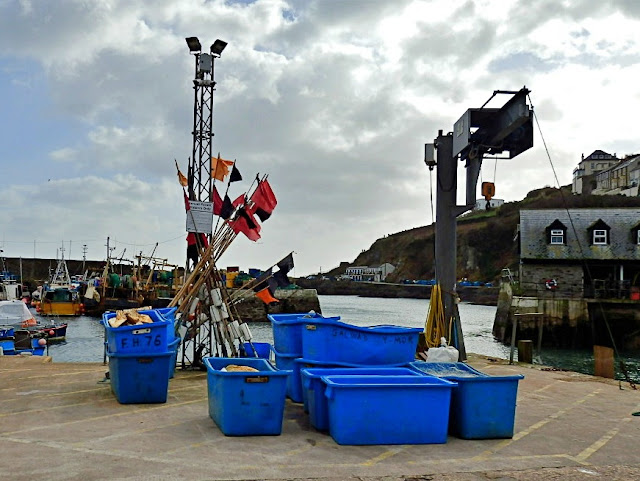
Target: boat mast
point(61, 276)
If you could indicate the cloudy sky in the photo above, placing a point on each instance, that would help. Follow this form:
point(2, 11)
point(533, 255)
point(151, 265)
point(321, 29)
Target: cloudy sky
point(334, 100)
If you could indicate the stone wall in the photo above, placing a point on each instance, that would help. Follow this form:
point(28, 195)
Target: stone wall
point(291, 301)
point(569, 278)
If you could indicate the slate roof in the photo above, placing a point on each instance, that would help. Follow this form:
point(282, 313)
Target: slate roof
point(534, 243)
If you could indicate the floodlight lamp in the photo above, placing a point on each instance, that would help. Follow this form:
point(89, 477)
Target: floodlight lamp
point(194, 44)
point(218, 46)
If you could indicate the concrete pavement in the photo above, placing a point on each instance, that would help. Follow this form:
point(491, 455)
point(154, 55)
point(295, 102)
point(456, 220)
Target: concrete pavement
point(57, 422)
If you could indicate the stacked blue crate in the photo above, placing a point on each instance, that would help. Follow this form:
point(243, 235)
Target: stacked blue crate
point(287, 344)
point(365, 366)
point(141, 358)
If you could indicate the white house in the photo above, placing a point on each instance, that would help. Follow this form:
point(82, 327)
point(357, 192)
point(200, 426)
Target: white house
point(371, 274)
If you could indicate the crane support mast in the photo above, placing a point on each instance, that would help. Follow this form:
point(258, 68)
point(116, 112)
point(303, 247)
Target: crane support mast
point(478, 132)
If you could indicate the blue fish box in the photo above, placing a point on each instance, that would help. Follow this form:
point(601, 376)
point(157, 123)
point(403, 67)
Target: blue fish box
point(140, 378)
point(246, 403)
point(314, 387)
point(174, 347)
point(375, 345)
point(286, 362)
point(144, 338)
point(262, 349)
point(302, 363)
point(483, 406)
point(388, 409)
point(287, 330)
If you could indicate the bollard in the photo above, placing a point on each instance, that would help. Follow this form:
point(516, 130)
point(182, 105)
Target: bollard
point(525, 351)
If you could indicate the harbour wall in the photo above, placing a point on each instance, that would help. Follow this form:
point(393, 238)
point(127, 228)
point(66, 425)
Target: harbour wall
point(474, 295)
point(291, 300)
point(567, 322)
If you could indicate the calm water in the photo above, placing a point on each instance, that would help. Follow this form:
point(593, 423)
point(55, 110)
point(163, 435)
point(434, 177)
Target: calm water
point(85, 335)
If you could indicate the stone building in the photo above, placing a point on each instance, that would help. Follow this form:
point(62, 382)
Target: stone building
point(584, 175)
point(591, 252)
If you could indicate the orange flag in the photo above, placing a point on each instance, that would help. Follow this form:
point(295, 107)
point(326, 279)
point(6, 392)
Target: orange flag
point(220, 168)
point(265, 296)
point(181, 178)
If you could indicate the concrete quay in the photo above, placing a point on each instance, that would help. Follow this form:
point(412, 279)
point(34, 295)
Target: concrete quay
point(59, 422)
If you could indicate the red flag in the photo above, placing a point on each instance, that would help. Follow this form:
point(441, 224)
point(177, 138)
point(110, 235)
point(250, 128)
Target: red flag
point(265, 296)
point(187, 206)
point(239, 200)
point(217, 201)
point(241, 224)
point(264, 200)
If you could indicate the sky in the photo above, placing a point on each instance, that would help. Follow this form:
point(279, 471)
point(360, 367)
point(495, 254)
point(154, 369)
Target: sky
point(334, 100)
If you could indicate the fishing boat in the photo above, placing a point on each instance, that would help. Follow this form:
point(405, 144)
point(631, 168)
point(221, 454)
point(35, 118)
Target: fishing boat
point(128, 284)
point(15, 316)
point(9, 287)
point(59, 297)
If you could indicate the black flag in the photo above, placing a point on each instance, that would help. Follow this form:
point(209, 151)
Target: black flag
point(281, 279)
point(227, 208)
point(286, 264)
point(235, 174)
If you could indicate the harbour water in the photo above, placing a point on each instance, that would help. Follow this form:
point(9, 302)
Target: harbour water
point(85, 335)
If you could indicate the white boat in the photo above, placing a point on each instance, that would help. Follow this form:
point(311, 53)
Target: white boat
point(16, 315)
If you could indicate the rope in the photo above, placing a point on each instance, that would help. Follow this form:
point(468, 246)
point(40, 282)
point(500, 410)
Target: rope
point(435, 327)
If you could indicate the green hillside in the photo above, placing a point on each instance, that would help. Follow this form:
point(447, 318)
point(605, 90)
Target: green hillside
point(486, 242)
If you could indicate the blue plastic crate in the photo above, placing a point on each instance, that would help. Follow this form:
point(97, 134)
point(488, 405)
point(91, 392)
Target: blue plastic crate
point(246, 403)
point(374, 345)
point(286, 362)
point(314, 388)
point(263, 349)
point(302, 363)
point(287, 330)
point(388, 409)
point(174, 347)
point(483, 406)
point(144, 338)
point(140, 378)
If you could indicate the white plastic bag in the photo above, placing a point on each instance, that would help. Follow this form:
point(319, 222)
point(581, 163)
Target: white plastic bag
point(443, 353)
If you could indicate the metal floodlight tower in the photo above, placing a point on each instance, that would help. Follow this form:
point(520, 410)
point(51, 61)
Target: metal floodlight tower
point(199, 174)
point(478, 132)
point(200, 182)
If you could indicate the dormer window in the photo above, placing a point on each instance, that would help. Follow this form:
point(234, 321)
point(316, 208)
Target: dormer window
point(635, 234)
point(556, 233)
point(599, 237)
point(557, 236)
point(599, 233)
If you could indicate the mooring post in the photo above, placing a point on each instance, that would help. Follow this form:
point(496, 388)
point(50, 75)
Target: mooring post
point(514, 326)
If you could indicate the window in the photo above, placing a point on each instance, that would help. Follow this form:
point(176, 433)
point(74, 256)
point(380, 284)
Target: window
point(638, 235)
point(599, 237)
point(557, 236)
point(556, 233)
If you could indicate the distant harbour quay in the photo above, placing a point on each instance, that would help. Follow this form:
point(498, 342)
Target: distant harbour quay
point(482, 295)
